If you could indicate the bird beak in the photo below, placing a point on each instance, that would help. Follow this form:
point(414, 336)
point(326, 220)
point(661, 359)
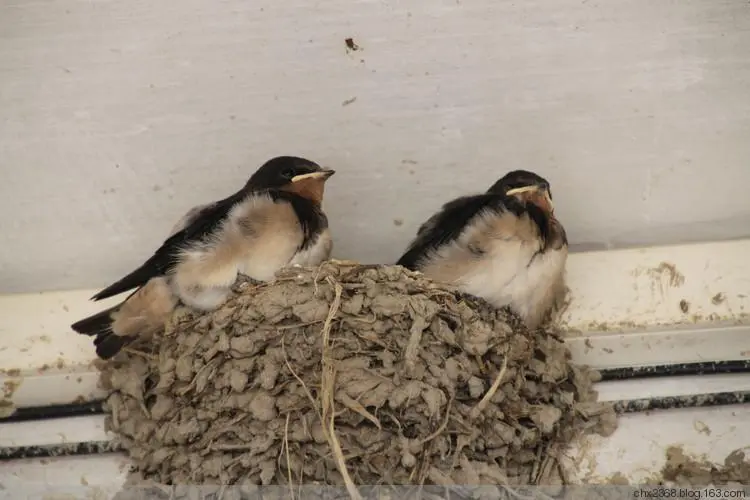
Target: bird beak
point(549, 201)
point(321, 175)
point(521, 190)
point(532, 192)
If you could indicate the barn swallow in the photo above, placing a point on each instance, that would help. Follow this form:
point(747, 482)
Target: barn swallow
point(275, 220)
point(505, 246)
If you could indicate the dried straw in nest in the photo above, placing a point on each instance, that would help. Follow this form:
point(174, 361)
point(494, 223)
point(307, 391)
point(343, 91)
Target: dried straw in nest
point(347, 374)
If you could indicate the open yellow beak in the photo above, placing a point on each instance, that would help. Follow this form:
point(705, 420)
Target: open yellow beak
point(320, 175)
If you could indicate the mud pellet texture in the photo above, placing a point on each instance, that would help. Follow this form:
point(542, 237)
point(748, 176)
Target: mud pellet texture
point(350, 374)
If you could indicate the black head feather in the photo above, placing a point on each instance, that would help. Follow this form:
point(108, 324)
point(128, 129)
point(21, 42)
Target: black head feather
point(519, 179)
point(278, 172)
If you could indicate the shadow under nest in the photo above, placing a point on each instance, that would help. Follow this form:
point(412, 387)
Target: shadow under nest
point(347, 374)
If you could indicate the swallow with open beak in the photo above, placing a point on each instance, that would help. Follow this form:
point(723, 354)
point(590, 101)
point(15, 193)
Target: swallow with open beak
point(275, 220)
point(505, 246)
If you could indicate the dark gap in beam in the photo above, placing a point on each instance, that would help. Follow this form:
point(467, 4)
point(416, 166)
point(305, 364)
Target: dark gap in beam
point(621, 407)
point(59, 450)
point(677, 402)
point(677, 370)
point(55, 411)
point(608, 374)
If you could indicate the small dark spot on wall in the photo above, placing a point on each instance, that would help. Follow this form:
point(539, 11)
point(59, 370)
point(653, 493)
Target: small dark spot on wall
point(351, 45)
point(718, 298)
point(156, 188)
point(684, 306)
point(349, 101)
point(409, 162)
point(398, 222)
point(109, 191)
point(232, 117)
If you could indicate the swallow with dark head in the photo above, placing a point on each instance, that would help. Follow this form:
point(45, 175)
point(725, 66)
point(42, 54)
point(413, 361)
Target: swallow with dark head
point(505, 246)
point(275, 220)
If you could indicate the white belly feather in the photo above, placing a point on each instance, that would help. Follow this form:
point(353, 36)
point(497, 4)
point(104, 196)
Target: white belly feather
point(259, 238)
point(508, 271)
point(529, 290)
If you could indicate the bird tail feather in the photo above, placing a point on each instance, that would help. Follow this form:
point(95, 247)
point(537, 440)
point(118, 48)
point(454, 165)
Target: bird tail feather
point(99, 325)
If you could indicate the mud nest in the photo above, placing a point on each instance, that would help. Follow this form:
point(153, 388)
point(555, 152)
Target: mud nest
point(347, 374)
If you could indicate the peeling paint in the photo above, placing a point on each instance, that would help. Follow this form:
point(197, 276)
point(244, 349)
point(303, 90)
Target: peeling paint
point(10, 387)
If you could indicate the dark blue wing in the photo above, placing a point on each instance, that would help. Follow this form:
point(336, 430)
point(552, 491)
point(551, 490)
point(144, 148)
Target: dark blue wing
point(448, 224)
point(165, 257)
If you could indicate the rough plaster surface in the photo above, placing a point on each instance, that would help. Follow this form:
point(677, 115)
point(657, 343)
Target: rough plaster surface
point(117, 116)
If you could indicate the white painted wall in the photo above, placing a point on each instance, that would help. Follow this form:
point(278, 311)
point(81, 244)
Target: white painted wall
point(117, 116)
